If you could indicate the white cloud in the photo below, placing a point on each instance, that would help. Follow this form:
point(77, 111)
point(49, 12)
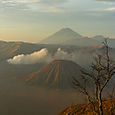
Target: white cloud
point(105, 1)
point(55, 9)
point(36, 57)
point(42, 56)
point(60, 54)
point(35, 5)
point(110, 9)
point(19, 1)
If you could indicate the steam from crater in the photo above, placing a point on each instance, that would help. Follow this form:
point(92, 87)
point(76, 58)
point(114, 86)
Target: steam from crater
point(39, 56)
point(44, 56)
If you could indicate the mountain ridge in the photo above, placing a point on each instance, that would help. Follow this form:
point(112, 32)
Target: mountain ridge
point(61, 36)
point(67, 36)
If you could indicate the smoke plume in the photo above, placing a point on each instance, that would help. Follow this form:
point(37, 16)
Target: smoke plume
point(39, 56)
point(44, 56)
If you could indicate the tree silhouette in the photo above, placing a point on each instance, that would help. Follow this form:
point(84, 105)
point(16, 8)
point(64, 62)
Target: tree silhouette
point(100, 73)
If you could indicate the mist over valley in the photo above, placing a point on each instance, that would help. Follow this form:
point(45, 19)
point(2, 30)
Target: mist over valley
point(37, 78)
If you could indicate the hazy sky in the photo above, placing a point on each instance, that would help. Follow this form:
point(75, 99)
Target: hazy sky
point(33, 20)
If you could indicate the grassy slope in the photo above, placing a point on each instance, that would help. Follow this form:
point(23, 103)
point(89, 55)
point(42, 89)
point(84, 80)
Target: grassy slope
point(108, 107)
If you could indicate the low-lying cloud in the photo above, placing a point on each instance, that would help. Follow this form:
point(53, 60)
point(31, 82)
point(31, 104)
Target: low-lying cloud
point(44, 56)
point(38, 56)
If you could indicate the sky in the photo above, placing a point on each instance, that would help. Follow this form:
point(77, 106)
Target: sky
point(34, 20)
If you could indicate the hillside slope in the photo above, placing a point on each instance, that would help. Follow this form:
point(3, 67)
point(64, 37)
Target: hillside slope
point(108, 108)
point(57, 74)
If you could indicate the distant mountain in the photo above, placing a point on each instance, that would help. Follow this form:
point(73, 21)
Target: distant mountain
point(57, 74)
point(67, 36)
point(99, 38)
point(2, 42)
point(10, 49)
point(61, 37)
point(112, 43)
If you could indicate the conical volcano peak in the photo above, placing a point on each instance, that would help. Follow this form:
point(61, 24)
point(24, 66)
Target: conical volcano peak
point(68, 31)
point(63, 62)
point(57, 74)
point(63, 36)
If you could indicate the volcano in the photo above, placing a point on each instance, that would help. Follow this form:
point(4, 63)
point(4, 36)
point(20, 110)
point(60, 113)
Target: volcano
point(67, 36)
point(63, 36)
point(57, 74)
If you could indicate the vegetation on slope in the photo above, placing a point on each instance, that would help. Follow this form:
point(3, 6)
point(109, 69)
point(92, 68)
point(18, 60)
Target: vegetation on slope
point(86, 109)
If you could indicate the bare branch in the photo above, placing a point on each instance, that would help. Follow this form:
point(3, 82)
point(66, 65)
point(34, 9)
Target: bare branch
point(101, 73)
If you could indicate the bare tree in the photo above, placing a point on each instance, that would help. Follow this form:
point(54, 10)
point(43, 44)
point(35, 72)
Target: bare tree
point(101, 72)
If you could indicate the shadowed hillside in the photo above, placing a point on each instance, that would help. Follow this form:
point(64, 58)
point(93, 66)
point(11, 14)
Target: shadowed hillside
point(85, 109)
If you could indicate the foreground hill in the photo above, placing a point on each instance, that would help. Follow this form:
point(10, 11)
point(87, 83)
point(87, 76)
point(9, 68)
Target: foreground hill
point(57, 74)
point(108, 107)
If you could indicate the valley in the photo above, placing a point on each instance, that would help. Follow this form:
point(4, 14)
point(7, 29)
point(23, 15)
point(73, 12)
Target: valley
point(37, 78)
